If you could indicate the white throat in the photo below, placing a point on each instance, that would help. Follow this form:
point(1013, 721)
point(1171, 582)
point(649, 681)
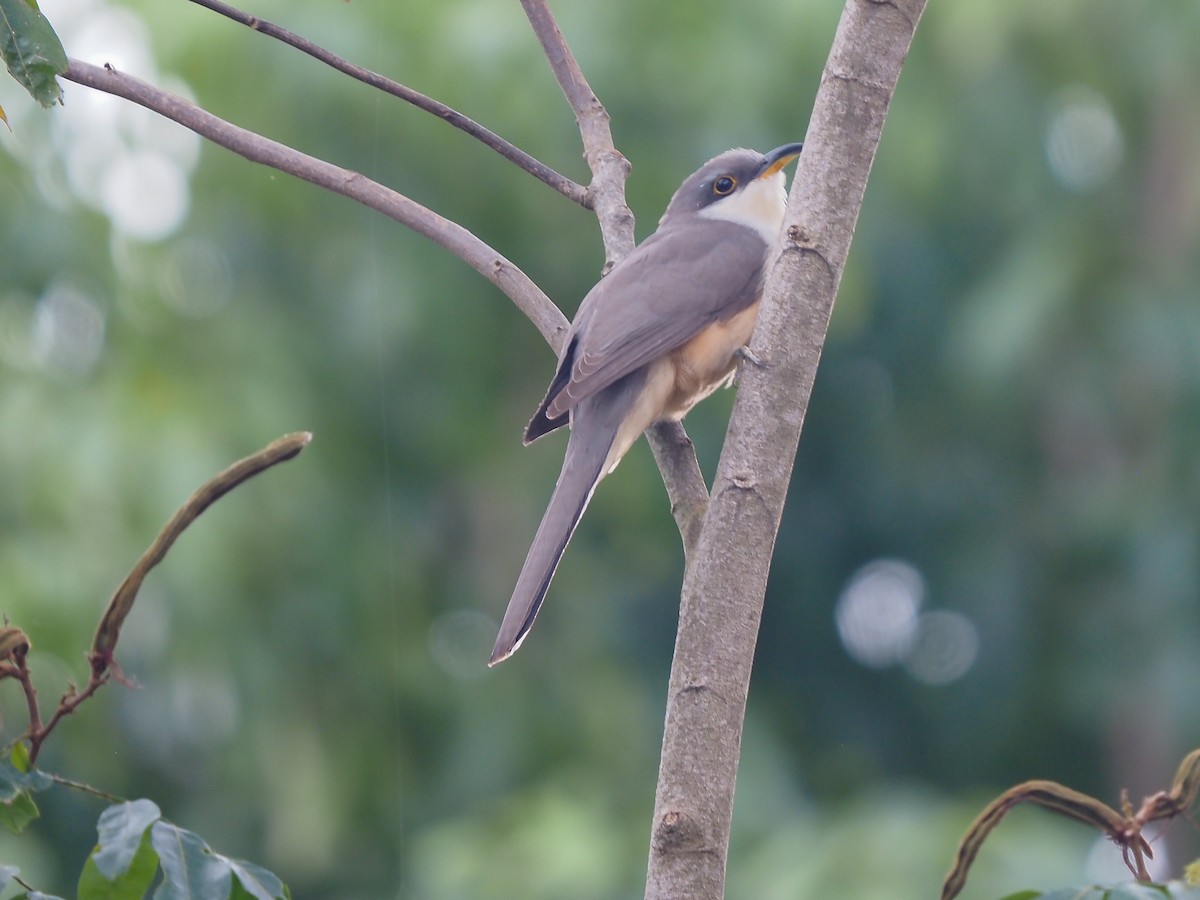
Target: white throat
point(759, 205)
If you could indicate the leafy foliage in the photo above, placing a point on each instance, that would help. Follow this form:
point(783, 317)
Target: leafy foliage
point(17, 784)
point(1132, 891)
point(31, 50)
point(135, 843)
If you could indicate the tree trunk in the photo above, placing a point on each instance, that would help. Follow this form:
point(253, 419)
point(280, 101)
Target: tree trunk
point(725, 582)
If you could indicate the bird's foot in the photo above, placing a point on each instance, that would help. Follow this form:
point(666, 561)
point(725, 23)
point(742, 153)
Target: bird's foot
point(744, 354)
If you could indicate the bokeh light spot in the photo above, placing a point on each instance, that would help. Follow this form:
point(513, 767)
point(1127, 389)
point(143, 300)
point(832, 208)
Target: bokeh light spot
point(876, 613)
point(68, 332)
point(145, 194)
point(1084, 143)
point(944, 648)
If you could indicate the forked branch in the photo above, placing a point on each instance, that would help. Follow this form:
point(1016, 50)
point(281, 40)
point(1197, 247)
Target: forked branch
point(535, 167)
point(672, 448)
point(606, 195)
point(458, 240)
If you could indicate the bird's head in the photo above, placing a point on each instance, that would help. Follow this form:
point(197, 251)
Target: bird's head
point(742, 186)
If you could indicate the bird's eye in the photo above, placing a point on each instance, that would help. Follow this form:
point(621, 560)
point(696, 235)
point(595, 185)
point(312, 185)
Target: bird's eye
point(724, 185)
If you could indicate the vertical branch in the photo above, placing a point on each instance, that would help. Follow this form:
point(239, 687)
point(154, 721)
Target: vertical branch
point(726, 576)
point(672, 448)
point(609, 167)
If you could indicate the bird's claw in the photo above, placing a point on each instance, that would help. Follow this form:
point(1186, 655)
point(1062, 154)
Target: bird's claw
point(744, 354)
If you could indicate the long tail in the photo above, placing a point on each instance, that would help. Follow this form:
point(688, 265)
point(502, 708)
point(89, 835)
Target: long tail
point(582, 469)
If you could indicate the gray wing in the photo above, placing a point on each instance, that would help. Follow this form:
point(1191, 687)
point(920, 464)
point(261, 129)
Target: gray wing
point(661, 296)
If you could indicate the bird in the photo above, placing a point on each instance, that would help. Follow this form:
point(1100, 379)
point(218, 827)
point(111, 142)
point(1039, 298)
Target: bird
point(659, 333)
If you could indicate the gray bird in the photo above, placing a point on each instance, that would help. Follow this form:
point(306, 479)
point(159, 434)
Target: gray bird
point(658, 334)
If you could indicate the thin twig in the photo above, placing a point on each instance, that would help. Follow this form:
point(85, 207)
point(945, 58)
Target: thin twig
point(109, 630)
point(67, 705)
point(565, 186)
point(102, 665)
point(685, 487)
point(1122, 828)
point(256, 148)
point(1048, 794)
point(85, 788)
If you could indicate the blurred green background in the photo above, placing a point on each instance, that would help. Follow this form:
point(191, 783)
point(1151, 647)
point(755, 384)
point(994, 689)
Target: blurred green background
point(989, 565)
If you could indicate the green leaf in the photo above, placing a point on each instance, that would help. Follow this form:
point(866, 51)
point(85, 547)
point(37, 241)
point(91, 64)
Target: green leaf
point(13, 781)
point(191, 871)
point(131, 883)
point(31, 50)
point(122, 832)
point(255, 881)
point(20, 756)
point(18, 812)
point(1137, 892)
point(17, 808)
point(1131, 891)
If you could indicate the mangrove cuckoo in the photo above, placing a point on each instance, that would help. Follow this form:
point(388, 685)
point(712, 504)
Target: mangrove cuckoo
point(659, 333)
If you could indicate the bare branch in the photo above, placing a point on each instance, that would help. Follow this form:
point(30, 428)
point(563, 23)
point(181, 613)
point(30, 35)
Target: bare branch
point(69, 702)
point(672, 448)
point(570, 189)
point(684, 488)
point(676, 457)
point(726, 576)
point(256, 148)
point(104, 644)
point(609, 167)
point(669, 442)
point(1124, 828)
point(100, 659)
point(1052, 796)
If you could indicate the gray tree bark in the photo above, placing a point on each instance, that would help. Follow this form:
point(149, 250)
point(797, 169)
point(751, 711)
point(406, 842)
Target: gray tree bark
point(726, 576)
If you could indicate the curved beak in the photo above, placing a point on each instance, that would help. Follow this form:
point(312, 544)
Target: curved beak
point(778, 158)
